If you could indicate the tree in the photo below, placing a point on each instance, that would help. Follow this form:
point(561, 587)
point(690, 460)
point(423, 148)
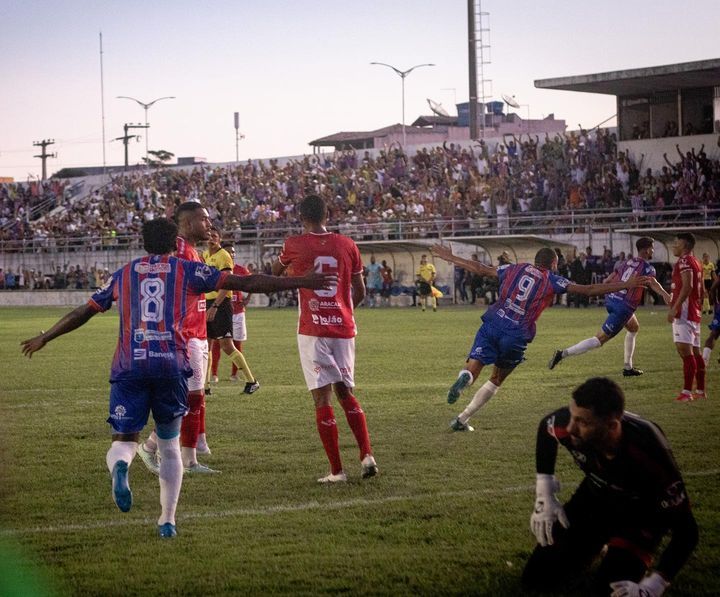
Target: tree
point(158, 158)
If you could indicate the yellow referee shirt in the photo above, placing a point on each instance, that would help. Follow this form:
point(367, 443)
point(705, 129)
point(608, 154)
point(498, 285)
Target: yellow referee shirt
point(222, 261)
point(426, 272)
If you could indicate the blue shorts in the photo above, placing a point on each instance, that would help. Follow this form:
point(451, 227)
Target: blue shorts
point(494, 346)
point(618, 315)
point(132, 400)
point(715, 323)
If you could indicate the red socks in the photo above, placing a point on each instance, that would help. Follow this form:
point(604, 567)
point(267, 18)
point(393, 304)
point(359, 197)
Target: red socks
point(700, 372)
point(190, 428)
point(689, 372)
point(215, 357)
point(356, 419)
point(327, 428)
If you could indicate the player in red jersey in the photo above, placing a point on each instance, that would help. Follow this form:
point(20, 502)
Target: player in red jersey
point(326, 330)
point(685, 314)
point(193, 227)
point(155, 295)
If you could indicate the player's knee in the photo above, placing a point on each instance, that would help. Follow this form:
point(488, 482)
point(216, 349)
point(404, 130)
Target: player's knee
point(622, 563)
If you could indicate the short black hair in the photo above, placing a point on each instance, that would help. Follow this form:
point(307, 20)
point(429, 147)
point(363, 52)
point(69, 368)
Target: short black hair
point(313, 209)
point(602, 396)
point(688, 237)
point(545, 257)
point(227, 244)
point(644, 242)
point(159, 236)
point(187, 207)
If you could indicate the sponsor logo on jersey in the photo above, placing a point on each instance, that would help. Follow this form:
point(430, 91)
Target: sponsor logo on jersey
point(141, 335)
point(139, 354)
point(203, 271)
point(161, 355)
point(153, 268)
point(327, 319)
point(202, 305)
point(674, 496)
point(316, 305)
point(119, 412)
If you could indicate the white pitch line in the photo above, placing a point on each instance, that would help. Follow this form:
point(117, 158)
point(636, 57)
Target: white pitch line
point(290, 508)
point(267, 511)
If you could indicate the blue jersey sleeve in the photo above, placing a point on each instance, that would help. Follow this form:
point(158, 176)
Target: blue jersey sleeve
point(559, 284)
point(649, 270)
point(201, 277)
point(105, 296)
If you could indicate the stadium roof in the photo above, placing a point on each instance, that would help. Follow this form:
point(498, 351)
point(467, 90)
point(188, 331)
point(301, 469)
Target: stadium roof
point(355, 137)
point(636, 81)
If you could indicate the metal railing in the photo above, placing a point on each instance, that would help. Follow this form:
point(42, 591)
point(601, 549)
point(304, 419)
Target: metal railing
point(527, 223)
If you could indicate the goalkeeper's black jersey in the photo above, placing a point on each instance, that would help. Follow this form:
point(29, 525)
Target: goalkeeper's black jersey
point(643, 475)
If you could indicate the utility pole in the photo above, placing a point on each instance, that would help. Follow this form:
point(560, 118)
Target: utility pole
point(238, 136)
point(126, 138)
point(44, 155)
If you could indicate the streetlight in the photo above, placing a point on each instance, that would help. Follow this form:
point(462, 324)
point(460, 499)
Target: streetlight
point(403, 74)
point(146, 107)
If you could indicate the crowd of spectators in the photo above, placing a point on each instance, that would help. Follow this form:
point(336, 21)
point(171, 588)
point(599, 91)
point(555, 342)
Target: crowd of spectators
point(23, 202)
point(388, 195)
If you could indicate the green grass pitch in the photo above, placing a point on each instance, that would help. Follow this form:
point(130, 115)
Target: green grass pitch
point(448, 514)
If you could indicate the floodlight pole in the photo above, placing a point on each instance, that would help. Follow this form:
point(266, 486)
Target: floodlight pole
point(402, 74)
point(146, 107)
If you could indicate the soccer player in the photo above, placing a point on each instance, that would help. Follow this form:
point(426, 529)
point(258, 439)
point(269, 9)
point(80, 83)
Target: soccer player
point(239, 301)
point(425, 278)
point(220, 316)
point(621, 308)
point(709, 277)
point(685, 313)
point(374, 282)
point(193, 228)
point(714, 325)
point(155, 294)
point(326, 331)
point(509, 324)
point(631, 498)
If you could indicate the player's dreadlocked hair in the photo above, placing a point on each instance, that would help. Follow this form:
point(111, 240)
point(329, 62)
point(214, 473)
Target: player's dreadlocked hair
point(602, 396)
point(313, 209)
point(545, 257)
point(159, 236)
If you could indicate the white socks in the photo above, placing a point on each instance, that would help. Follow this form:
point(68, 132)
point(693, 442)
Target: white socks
point(120, 451)
point(189, 455)
point(706, 355)
point(171, 474)
point(486, 391)
point(582, 347)
point(629, 349)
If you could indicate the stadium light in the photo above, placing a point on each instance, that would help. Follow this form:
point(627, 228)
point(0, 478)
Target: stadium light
point(402, 74)
point(146, 107)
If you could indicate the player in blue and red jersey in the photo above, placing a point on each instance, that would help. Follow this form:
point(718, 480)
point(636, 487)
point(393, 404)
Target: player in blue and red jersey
point(150, 370)
point(621, 307)
point(508, 326)
point(714, 324)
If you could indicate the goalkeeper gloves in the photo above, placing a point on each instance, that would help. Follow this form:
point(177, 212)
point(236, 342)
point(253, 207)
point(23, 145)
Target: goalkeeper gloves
point(653, 585)
point(547, 510)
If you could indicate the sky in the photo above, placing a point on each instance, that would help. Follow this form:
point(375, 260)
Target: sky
point(300, 70)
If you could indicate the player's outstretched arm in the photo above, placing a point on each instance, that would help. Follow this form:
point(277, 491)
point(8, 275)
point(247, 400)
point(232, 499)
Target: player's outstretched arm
point(446, 254)
point(657, 287)
point(68, 323)
point(263, 283)
point(599, 289)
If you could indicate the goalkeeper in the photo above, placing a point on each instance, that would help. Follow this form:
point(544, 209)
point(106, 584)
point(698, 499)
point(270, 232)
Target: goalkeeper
point(632, 496)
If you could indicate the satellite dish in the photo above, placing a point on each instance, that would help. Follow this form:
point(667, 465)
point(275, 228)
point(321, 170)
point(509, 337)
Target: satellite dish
point(510, 100)
point(437, 108)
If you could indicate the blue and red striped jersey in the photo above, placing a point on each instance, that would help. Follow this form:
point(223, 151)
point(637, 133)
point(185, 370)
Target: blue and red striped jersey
point(525, 292)
point(154, 295)
point(631, 268)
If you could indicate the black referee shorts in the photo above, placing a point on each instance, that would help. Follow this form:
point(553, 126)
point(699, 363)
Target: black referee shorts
point(221, 325)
